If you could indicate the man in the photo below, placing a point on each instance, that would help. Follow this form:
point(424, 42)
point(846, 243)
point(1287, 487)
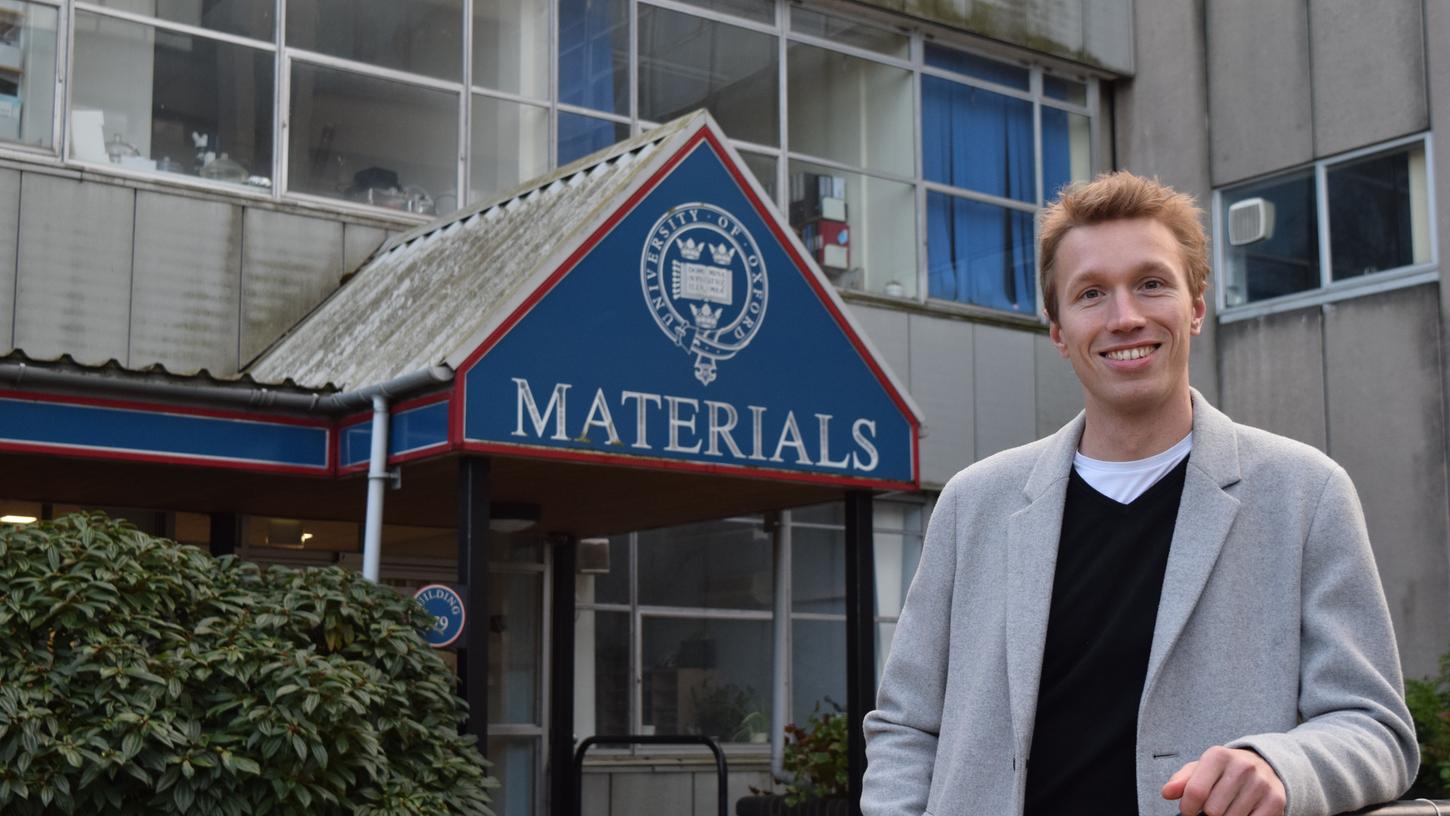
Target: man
point(1155, 609)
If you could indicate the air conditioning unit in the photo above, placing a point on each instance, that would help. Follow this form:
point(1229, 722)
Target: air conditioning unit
point(1250, 221)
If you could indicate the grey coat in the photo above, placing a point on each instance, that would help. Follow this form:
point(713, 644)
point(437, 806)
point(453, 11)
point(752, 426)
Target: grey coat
point(1272, 633)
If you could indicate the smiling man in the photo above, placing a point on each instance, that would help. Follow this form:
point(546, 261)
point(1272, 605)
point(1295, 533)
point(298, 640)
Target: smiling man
point(1155, 609)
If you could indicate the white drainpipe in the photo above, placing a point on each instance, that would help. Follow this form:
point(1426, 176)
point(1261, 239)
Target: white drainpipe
point(780, 654)
point(377, 487)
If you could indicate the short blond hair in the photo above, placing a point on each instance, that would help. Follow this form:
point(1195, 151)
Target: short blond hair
point(1114, 197)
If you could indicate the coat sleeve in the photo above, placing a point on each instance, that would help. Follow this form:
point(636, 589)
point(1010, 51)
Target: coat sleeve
point(1356, 743)
point(901, 734)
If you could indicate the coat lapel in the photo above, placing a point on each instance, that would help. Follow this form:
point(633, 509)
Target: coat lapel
point(1205, 515)
point(1032, 536)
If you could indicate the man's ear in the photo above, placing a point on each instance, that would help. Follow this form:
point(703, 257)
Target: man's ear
point(1200, 310)
point(1054, 333)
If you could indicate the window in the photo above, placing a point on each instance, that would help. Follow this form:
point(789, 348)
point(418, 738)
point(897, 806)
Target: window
point(1327, 229)
point(27, 72)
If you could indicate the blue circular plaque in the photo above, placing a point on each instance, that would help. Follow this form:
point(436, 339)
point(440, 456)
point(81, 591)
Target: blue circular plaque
point(445, 604)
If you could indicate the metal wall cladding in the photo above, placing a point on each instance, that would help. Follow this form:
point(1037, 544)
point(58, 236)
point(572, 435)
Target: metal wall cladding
point(73, 280)
point(1098, 32)
point(1003, 371)
point(1260, 116)
point(186, 295)
point(9, 230)
point(1369, 72)
point(1271, 372)
point(1384, 394)
point(942, 384)
point(289, 264)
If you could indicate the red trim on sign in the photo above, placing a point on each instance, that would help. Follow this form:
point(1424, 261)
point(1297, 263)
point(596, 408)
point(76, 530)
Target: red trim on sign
point(163, 408)
point(9, 446)
point(649, 463)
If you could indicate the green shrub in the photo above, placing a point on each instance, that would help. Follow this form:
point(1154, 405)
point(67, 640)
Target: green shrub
point(1429, 702)
point(816, 756)
point(141, 676)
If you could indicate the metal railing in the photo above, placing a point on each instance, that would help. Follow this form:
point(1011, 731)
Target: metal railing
point(1407, 807)
point(656, 739)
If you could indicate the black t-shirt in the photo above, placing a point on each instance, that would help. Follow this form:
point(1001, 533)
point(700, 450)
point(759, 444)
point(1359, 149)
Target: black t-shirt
point(1109, 575)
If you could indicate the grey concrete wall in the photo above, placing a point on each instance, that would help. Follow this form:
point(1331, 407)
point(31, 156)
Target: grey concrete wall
point(982, 387)
point(1273, 374)
point(667, 788)
point(142, 275)
point(1368, 68)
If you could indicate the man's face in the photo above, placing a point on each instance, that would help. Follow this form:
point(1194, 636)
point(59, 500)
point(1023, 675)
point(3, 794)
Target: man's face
point(1125, 313)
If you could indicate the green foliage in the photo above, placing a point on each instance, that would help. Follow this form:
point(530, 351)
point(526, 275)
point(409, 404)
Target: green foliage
point(1429, 702)
point(816, 756)
point(141, 676)
point(725, 711)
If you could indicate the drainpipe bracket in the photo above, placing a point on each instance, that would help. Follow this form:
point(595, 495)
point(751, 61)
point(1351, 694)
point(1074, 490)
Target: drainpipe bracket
point(395, 477)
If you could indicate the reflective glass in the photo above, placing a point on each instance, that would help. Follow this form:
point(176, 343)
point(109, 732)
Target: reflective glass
point(849, 32)
point(581, 135)
point(1378, 213)
point(27, 72)
point(761, 11)
point(850, 110)
point(861, 229)
point(977, 140)
point(245, 18)
point(515, 766)
point(594, 55)
point(980, 253)
point(885, 636)
point(763, 167)
point(156, 101)
point(373, 141)
point(1066, 150)
point(709, 677)
point(896, 554)
point(419, 36)
point(1286, 258)
point(829, 513)
point(601, 673)
point(818, 668)
point(972, 65)
point(1065, 89)
point(511, 46)
point(718, 564)
point(515, 609)
point(688, 62)
point(611, 587)
point(510, 145)
point(817, 570)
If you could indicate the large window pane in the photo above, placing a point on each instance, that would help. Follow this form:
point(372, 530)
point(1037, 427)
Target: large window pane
point(709, 677)
point(980, 253)
point(151, 100)
point(1066, 150)
point(515, 608)
point(977, 139)
point(421, 36)
point(716, 565)
point(861, 229)
point(849, 32)
point(687, 62)
point(601, 673)
point(27, 72)
point(850, 110)
point(761, 11)
point(1065, 89)
point(373, 141)
point(511, 46)
point(763, 168)
point(611, 587)
point(972, 65)
point(510, 145)
point(581, 135)
point(818, 668)
point(245, 18)
point(515, 766)
point(1378, 213)
point(897, 548)
point(1283, 256)
point(594, 54)
point(818, 570)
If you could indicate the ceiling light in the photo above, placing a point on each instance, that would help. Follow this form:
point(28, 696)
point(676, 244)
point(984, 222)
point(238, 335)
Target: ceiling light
point(17, 519)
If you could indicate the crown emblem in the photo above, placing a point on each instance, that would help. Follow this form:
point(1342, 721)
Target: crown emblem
point(691, 250)
point(722, 254)
point(705, 317)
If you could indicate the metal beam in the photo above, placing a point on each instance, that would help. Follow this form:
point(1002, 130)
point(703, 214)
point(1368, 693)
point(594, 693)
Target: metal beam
point(860, 636)
point(561, 671)
point(473, 494)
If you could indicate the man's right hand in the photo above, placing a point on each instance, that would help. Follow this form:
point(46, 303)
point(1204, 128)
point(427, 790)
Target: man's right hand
point(1227, 782)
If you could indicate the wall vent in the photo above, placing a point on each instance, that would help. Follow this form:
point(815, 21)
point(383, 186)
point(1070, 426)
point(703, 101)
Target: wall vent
point(1250, 221)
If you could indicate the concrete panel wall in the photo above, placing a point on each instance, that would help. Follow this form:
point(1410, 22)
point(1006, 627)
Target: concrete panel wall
point(942, 385)
point(1096, 32)
point(1059, 394)
point(289, 263)
point(1368, 65)
point(890, 334)
point(9, 231)
point(1386, 427)
point(1005, 385)
point(1272, 374)
point(1260, 113)
point(358, 243)
point(186, 296)
point(73, 284)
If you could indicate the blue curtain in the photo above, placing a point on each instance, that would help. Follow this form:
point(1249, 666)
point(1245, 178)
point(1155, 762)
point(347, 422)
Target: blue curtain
point(593, 54)
point(1056, 152)
point(581, 135)
point(978, 140)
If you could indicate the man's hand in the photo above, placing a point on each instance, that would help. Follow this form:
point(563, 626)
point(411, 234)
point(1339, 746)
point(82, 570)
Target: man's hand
point(1227, 782)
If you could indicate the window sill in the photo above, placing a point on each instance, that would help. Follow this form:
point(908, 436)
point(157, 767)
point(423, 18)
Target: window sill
point(945, 309)
point(1343, 290)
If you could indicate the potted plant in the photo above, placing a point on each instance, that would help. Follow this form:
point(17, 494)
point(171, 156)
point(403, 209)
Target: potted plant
point(815, 757)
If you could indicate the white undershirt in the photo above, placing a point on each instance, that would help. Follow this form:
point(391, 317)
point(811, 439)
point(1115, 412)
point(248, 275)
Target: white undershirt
point(1125, 481)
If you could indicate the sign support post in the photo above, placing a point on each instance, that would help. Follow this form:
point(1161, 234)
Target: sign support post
point(473, 498)
point(561, 686)
point(860, 636)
